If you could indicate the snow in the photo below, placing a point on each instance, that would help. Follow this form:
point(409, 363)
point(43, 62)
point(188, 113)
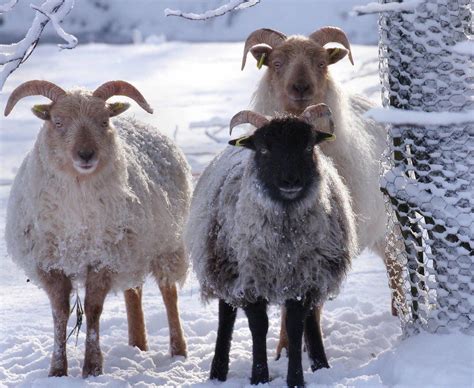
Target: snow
point(406, 5)
point(464, 48)
point(402, 116)
point(363, 341)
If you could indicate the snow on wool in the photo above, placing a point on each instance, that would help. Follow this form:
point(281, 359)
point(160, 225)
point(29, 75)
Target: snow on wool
point(241, 249)
point(127, 217)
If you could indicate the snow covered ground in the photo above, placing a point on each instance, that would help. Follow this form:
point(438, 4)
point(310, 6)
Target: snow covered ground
point(363, 341)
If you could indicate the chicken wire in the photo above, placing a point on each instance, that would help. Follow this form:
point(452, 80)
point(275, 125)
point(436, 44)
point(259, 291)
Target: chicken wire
point(428, 170)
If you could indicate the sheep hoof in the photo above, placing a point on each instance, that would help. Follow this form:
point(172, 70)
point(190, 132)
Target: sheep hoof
point(219, 369)
point(179, 350)
point(57, 372)
point(279, 351)
point(316, 365)
point(259, 374)
point(91, 369)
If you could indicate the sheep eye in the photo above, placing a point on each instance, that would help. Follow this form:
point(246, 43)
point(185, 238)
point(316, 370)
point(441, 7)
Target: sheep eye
point(264, 151)
point(321, 65)
point(309, 149)
point(105, 123)
point(58, 124)
point(277, 64)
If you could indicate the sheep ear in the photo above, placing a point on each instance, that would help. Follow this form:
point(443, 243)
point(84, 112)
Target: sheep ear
point(42, 111)
point(324, 136)
point(244, 141)
point(335, 54)
point(261, 52)
point(116, 108)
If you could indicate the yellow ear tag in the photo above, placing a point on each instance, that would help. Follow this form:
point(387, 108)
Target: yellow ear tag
point(334, 52)
point(39, 108)
point(261, 60)
point(239, 142)
point(331, 138)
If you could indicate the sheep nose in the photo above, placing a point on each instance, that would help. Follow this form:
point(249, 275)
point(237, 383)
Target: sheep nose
point(301, 87)
point(291, 181)
point(86, 155)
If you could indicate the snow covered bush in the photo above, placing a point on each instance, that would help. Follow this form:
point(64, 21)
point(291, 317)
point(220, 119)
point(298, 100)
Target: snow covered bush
point(102, 204)
point(271, 222)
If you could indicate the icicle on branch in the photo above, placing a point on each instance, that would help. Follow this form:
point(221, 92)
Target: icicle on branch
point(7, 7)
point(13, 55)
point(232, 5)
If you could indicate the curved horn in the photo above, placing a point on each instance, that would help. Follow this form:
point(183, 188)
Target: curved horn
point(319, 116)
point(247, 116)
point(34, 88)
point(264, 35)
point(121, 88)
point(332, 34)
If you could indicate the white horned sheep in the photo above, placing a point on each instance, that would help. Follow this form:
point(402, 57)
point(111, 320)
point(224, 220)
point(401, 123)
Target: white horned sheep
point(102, 203)
point(271, 222)
point(297, 76)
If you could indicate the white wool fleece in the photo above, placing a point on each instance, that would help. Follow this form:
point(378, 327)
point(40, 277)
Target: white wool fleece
point(125, 218)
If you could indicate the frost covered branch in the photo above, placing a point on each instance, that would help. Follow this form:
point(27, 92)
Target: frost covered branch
point(13, 55)
point(401, 116)
point(232, 5)
point(4, 8)
point(407, 5)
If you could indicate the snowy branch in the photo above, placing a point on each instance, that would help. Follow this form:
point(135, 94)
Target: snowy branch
point(464, 48)
point(232, 5)
point(407, 5)
point(13, 55)
point(401, 116)
point(4, 8)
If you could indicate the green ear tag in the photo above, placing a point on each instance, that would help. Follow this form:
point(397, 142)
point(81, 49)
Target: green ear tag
point(261, 60)
point(331, 138)
point(38, 108)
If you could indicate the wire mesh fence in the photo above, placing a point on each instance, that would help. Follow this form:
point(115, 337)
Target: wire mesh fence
point(428, 171)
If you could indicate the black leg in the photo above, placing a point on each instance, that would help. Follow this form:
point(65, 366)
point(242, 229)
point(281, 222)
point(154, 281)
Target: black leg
point(314, 340)
point(220, 362)
point(295, 316)
point(258, 324)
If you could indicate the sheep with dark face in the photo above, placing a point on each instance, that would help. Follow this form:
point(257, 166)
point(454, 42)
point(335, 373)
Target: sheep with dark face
point(298, 75)
point(98, 201)
point(279, 230)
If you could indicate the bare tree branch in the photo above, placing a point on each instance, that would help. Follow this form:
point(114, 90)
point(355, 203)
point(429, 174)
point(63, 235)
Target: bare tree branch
point(7, 7)
point(13, 55)
point(232, 5)
point(371, 8)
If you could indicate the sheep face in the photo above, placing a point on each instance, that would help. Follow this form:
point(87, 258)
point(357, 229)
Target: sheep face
point(284, 157)
point(79, 137)
point(298, 71)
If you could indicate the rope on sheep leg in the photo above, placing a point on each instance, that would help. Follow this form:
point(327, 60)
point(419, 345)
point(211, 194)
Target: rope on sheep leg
point(79, 314)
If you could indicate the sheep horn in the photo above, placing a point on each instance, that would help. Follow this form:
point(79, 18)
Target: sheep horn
point(264, 35)
point(332, 34)
point(121, 88)
point(34, 88)
point(313, 115)
point(247, 116)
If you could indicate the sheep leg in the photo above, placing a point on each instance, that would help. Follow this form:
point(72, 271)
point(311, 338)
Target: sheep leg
point(283, 340)
point(387, 251)
point(258, 324)
point(220, 362)
point(58, 287)
point(296, 313)
point(177, 341)
point(97, 286)
point(135, 318)
point(314, 339)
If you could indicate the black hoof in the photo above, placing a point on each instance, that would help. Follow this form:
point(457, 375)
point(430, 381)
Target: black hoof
point(319, 365)
point(259, 374)
point(219, 369)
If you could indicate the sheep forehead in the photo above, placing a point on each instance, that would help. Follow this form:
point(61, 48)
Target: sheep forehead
point(296, 46)
point(79, 103)
point(285, 130)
